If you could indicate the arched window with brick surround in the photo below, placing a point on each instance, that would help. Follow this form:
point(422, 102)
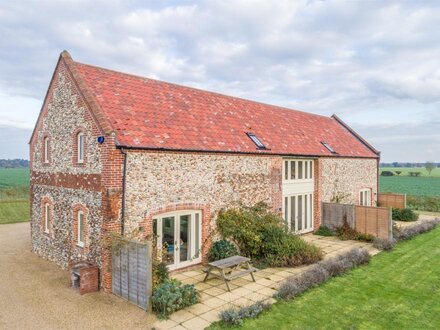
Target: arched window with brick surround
point(80, 227)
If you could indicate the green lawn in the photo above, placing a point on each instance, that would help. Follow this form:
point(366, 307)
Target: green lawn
point(397, 290)
point(14, 195)
point(14, 211)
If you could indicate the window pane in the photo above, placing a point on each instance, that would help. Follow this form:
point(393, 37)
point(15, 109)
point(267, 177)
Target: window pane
point(310, 220)
point(292, 170)
point(286, 209)
point(168, 240)
point(81, 227)
point(300, 210)
point(185, 238)
point(286, 170)
point(306, 213)
point(300, 170)
point(46, 217)
point(306, 170)
point(361, 202)
point(293, 213)
point(197, 235)
point(311, 169)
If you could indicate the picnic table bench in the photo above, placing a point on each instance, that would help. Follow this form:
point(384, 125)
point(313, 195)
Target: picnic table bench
point(230, 268)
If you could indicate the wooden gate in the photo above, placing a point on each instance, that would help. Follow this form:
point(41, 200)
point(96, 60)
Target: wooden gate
point(132, 272)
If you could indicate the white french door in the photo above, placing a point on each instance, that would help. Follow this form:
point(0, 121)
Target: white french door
point(298, 212)
point(179, 237)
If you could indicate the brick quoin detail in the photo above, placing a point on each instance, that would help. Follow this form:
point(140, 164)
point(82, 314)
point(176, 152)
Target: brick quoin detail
point(147, 223)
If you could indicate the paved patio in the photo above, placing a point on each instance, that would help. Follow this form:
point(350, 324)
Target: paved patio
point(215, 297)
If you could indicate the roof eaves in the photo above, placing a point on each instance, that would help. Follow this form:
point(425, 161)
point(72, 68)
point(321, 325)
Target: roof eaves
point(356, 135)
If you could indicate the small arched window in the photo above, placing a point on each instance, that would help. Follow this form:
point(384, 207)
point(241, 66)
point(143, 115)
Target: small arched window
point(46, 150)
point(80, 147)
point(81, 228)
point(46, 218)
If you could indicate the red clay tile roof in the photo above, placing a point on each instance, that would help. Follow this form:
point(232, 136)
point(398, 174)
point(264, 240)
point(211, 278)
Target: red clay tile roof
point(147, 113)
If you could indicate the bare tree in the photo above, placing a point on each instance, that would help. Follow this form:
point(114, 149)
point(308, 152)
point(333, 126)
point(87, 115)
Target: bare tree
point(429, 166)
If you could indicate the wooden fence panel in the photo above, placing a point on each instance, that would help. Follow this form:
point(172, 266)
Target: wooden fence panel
point(392, 200)
point(333, 215)
point(132, 272)
point(374, 221)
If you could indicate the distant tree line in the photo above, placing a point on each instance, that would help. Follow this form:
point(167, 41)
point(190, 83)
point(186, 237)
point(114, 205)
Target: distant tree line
point(14, 163)
point(398, 164)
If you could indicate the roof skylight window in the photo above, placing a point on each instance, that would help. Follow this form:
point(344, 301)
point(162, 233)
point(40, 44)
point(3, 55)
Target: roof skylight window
point(256, 140)
point(329, 148)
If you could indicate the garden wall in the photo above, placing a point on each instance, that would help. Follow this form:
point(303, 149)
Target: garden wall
point(392, 200)
point(376, 221)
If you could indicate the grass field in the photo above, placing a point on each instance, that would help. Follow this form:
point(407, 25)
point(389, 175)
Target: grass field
point(397, 290)
point(418, 186)
point(14, 195)
point(13, 177)
point(405, 170)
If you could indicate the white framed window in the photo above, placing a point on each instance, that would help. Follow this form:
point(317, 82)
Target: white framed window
point(179, 237)
point(80, 147)
point(46, 150)
point(46, 218)
point(81, 226)
point(298, 212)
point(297, 169)
point(365, 197)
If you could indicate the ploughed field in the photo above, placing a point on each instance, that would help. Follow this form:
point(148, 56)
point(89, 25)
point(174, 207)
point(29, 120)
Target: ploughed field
point(14, 195)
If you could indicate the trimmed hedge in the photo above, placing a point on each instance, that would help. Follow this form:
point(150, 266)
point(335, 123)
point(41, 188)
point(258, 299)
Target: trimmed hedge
point(321, 272)
point(408, 232)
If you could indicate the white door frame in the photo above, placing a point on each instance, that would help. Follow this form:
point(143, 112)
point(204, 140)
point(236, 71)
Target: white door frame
point(307, 222)
point(196, 256)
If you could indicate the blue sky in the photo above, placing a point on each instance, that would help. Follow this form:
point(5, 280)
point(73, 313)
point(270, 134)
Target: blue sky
point(374, 63)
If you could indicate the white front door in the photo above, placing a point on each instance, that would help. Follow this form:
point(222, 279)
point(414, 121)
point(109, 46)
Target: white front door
point(298, 212)
point(179, 237)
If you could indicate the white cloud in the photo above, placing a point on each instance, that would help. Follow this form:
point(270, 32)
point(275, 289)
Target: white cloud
point(371, 62)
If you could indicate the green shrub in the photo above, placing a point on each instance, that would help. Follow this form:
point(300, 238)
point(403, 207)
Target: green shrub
point(404, 215)
point(222, 249)
point(171, 296)
point(262, 236)
point(324, 231)
point(235, 316)
point(281, 249)
point(160, 273)
point(386, 173)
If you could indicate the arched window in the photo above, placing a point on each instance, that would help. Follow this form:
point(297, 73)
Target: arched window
point(46, 150)
point(81, 228)
point(80, 147)
point(46, 218)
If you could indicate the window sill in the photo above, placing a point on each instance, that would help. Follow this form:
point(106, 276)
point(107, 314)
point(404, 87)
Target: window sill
point(81, 245)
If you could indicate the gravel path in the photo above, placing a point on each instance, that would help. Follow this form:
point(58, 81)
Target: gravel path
point(34, 293)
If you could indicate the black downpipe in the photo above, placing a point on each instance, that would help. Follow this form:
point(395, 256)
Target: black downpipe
point(124, 172)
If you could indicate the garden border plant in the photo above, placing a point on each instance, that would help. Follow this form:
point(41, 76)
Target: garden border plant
point(262, 235)
point(236, 315)
point(317, 274)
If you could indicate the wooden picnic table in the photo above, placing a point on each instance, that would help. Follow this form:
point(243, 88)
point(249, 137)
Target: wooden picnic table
point(230, 268)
